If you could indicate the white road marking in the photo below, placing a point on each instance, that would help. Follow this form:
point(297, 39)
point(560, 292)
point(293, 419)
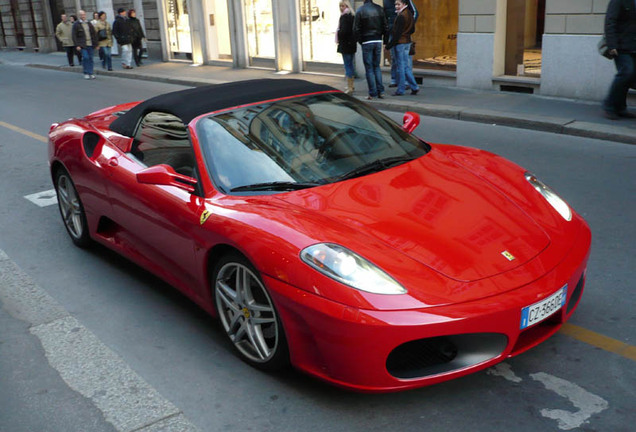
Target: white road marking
point(43, 199)
point(504, 370)
point(84, 362)
point(587, 403)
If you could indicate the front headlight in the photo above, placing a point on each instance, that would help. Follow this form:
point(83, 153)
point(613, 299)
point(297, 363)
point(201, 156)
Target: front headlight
point(555, 201)
point(351, 269)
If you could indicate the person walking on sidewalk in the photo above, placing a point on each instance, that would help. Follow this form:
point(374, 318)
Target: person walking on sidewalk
point(620, 34)
point(122, 30)
point(370, 29)
point(64, 33)
point(137, 36)
point(73, 20)
point(85, 39)
point(104, 31)
point(347, 43)
point(400, 38)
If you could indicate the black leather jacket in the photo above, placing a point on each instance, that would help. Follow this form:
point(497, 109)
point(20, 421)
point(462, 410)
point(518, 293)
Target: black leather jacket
point(620, 26)
point(370, 23)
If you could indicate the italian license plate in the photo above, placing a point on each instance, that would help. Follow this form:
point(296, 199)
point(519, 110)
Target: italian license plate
point(543, 309)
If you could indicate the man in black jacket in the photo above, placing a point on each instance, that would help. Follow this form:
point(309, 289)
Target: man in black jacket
point(85, 40)
point(371, 29)
point(123, 33)
point(620, 33)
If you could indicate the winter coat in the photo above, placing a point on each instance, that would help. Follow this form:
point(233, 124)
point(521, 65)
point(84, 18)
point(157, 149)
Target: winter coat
point(122, 30)
point(64, 32)
point(620, 26)
point(104, 25)
point(346, 40)
point(137, 30)
point(370, 23)
point(403, 28)
point(80, 37)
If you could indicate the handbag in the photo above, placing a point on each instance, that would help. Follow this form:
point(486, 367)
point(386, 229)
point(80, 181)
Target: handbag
point(102, 35)
point(603, 49)
point(412, 49)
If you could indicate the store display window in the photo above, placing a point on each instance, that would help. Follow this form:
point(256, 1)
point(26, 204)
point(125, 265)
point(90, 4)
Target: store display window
point(318, 24)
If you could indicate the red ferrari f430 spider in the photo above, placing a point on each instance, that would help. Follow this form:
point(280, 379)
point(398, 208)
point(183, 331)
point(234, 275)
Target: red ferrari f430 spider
point(321, 233)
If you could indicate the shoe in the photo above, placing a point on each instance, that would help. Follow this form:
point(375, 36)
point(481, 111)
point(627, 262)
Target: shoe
point(381, 96)
point(626, 114)
point(397, 94)
point(93, 76)
point(611, 115)
point(370, 97)
point(414, 92)
point(110, 69)
point(72, 65)
point(87, 76)
point(392, 85)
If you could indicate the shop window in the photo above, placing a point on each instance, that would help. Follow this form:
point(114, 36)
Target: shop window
point(219, 46)
point(318, 22)
point(436, 34)
point(178, 22)
point(260, 30)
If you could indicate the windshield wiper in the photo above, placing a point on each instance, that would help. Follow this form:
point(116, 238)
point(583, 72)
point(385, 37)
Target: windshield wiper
point(375, 166)
point(275, 186)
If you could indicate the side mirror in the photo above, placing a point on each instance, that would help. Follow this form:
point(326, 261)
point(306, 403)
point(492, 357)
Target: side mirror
point(411, 121)
point(165, 175)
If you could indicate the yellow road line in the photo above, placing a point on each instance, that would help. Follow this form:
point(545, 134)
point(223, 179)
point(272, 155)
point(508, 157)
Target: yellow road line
point(24, 132)
point(600, 341)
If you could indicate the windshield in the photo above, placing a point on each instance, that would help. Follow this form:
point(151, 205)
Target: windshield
point(301, 142)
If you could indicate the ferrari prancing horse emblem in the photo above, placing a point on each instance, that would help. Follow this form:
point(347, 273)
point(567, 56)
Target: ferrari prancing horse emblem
point(508, 255)
point(204, 216)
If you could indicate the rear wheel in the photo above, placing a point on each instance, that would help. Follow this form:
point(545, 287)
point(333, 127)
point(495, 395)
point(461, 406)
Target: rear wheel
point(71, 209)
point(248, 315)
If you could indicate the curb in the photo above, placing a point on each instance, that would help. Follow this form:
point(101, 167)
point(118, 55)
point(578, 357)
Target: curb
point(563, 126)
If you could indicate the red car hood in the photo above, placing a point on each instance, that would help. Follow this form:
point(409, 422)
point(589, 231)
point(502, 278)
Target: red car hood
point(437, 213)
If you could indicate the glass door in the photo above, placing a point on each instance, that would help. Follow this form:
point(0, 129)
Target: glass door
point(319, 21)
point(218, 30)
point(259, 23)
point(178, 24)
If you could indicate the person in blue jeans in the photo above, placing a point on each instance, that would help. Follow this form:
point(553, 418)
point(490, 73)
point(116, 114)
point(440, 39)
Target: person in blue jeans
point(400, 40)
point(85, 39)
point(371, 30)
point(347, 43)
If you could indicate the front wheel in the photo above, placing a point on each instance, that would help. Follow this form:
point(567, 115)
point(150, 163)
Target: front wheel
point(71, 209)
point(248, 315)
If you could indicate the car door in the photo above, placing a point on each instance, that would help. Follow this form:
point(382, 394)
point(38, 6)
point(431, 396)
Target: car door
point(157, 224)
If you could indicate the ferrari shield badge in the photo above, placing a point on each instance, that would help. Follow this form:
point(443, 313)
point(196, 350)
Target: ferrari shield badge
point(204, 216)
point(508, 255)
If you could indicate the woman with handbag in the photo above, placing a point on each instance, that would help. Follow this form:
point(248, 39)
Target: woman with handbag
point(105, 40)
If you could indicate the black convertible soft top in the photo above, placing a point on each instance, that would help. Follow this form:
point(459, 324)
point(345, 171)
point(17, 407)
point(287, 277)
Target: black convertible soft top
point(191, 103)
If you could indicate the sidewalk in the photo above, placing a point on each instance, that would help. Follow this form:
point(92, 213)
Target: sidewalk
point(578, 118)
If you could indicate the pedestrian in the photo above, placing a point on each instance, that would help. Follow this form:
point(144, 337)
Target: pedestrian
point(104, 40)
point(85, 39)
point(400, 38)
point(371, 30)
point(95, 18)
point(122, 32)
point(389, 13)
point(137, 36)
point(64, 33)
point(620, 34)
point(77, 53)
point(347, 43)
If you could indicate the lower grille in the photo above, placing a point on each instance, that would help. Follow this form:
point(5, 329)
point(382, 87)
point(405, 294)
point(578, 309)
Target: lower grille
point(443, 354)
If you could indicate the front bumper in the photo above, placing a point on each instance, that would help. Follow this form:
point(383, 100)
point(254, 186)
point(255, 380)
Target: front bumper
point(353, 348)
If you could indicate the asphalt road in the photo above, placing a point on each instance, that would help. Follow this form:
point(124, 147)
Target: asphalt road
point(177, 357)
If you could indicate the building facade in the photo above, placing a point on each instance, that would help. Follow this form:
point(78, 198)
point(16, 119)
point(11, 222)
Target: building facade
point(547, 47)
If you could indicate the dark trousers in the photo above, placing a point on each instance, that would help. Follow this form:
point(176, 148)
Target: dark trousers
point(136, 48)
point(70, 53)
point(616, 100)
